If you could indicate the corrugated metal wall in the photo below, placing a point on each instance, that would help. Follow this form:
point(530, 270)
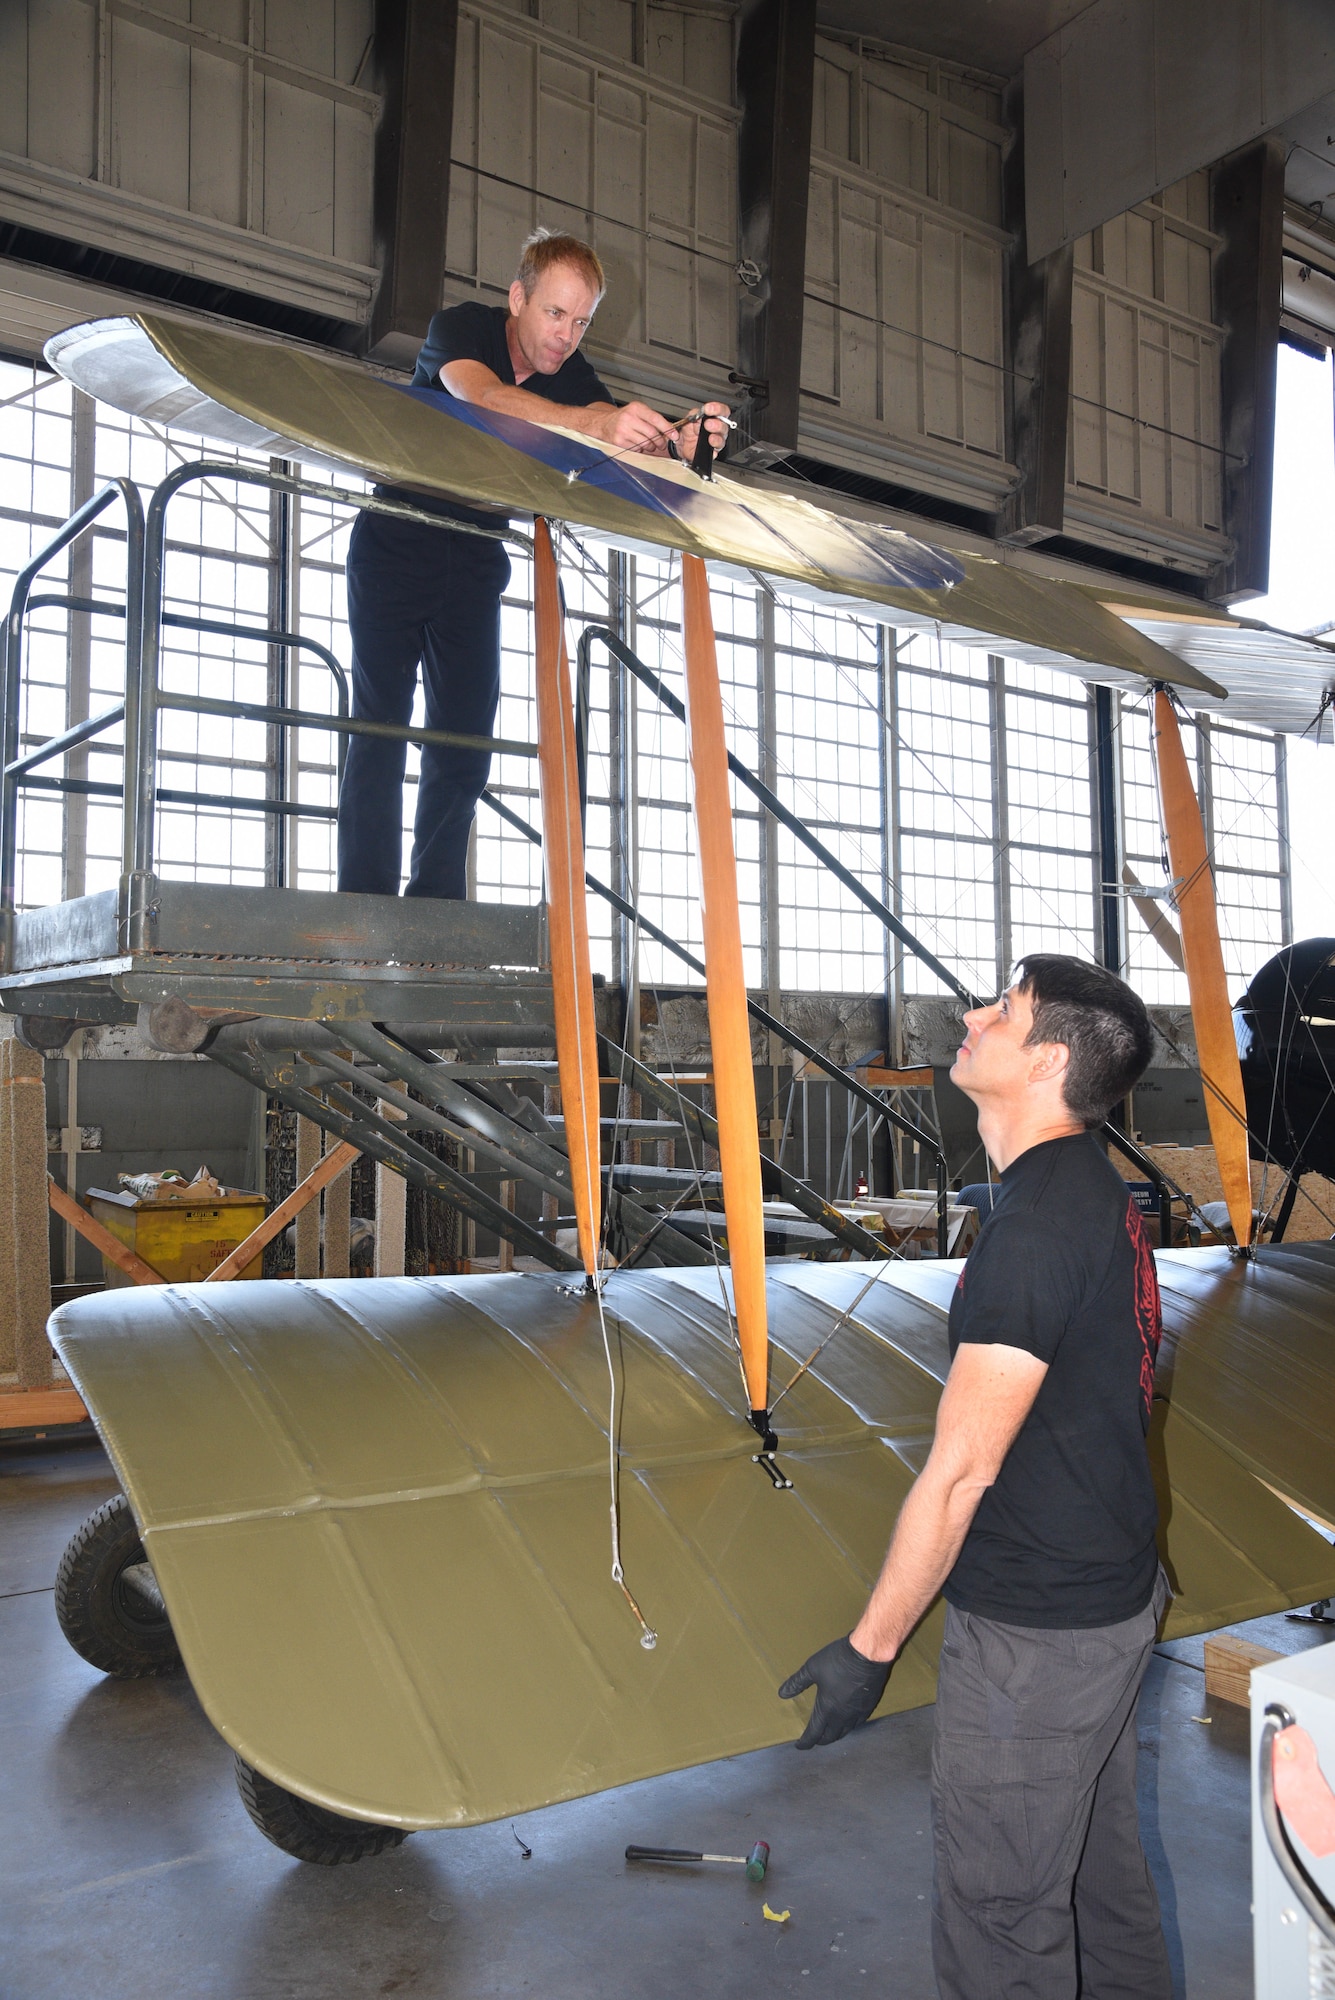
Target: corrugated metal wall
point(228, 139)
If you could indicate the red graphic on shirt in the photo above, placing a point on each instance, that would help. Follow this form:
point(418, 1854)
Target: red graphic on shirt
point(1149, 1312)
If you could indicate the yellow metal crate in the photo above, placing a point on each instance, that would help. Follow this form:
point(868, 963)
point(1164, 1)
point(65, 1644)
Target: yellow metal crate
point(182, 1238)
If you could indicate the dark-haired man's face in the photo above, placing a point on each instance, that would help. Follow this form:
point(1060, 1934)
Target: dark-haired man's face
point(549, 325)
point(996, 1059)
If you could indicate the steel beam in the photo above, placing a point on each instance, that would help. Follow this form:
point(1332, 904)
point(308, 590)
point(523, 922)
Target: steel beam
point(1106, 789)
point(415, 43)
point(1038, 362)
point(1247, 202)
point(776, 59)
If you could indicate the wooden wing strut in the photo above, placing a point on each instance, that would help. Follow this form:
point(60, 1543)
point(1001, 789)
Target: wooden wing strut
point(567, 909)
point(1211, 1014)
point(729, 1023)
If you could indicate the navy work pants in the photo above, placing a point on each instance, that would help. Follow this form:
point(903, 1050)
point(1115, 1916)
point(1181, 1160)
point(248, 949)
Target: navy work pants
point(1041, 1889)
point(429, 598)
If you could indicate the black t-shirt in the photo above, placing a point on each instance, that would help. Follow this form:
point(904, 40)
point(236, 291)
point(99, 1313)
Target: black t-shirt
point(1063, 1269)
point(474, 332)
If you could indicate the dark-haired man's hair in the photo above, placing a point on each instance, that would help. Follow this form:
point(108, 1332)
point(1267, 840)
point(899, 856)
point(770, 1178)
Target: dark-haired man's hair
point(1098, 1019)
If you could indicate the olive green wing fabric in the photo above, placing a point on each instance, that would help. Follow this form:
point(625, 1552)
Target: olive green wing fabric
point(378, 1513)
point(1249, 1356)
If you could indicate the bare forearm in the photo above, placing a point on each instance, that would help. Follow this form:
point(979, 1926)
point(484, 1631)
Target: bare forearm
point(512, 402)
point(928, 1536)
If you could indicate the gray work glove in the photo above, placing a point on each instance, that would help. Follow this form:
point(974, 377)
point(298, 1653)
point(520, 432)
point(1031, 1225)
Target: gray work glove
point(848, 1686)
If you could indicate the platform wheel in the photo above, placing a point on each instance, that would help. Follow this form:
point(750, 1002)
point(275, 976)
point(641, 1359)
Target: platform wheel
point(306, 1831)
point(108, 1602)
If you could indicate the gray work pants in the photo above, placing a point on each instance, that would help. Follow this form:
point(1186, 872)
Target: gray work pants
point(1041, 1888)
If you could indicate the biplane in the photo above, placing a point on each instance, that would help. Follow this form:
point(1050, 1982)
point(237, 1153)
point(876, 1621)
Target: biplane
point(435, 1551)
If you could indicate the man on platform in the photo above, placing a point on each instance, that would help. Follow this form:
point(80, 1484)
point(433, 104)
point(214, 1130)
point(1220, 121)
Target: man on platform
point(430, 597)
point(1036, 1515)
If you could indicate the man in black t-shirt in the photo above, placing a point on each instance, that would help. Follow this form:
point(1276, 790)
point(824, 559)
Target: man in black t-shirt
point(1035, 1514)
point(430, 597)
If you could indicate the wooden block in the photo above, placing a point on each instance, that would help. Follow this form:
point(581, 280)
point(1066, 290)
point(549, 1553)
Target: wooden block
point(32, 1409)
point(1228, 1666)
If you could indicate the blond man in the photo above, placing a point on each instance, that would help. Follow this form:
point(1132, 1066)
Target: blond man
point(422, 599)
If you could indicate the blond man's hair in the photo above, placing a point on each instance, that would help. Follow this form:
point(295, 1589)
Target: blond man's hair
point(545, 248)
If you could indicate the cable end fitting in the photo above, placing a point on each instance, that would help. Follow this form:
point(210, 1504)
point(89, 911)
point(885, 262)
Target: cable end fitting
point(759, 1422)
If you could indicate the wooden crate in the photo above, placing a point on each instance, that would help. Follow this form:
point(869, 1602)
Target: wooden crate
point(1228, 1666)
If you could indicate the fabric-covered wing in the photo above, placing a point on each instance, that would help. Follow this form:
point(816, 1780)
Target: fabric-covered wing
point(270, 395)
point(378, 1509)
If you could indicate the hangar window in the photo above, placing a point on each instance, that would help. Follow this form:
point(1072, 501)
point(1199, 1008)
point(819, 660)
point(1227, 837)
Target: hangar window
point(956, 786)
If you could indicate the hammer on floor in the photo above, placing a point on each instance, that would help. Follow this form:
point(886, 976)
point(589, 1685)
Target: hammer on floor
point(755, 1863)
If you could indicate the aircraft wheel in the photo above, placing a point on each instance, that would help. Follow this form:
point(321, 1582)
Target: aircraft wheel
point(108, 1602)
point(309, 1832)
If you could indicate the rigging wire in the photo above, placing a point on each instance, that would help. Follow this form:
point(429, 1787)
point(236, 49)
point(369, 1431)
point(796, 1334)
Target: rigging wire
point(595, 1281)
point(878, 1272)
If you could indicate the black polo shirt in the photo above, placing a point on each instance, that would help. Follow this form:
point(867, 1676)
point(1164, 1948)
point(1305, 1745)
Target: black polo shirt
point(474, 332)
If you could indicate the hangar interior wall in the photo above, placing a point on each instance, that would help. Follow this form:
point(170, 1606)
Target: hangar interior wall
point(232, 141)
point(574, 118)
point(957, 784)
point(229, 140)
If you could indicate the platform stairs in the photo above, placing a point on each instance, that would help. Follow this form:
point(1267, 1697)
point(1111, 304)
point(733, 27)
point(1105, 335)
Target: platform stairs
point(413, 1030)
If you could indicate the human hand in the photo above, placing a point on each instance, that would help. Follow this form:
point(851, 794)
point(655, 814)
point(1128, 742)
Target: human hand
point(635, 427)
point(848, 1687)
point(717, 431)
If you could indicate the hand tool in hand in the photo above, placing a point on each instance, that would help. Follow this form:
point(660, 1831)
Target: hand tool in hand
point(755, 1863)
point(702, 461)
point(848, 1686)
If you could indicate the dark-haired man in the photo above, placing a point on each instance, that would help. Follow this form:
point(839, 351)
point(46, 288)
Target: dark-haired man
point(1036, 1514)
point(430, 597)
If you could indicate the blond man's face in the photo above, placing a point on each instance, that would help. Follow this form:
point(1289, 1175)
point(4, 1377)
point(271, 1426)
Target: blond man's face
point(550, 324)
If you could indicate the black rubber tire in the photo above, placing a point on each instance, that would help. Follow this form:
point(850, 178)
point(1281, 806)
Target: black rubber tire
point(309, 1832)
point(109, 1623)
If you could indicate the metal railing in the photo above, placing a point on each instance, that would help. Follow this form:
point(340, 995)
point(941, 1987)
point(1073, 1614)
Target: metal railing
point(773, 804)
point(13, 768)
point(147, 698)
point(617, 649)
point(145, 620)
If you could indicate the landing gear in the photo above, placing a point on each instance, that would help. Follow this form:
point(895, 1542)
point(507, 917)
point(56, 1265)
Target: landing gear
point(1321, 1613)
point(309, 1832)
point(108, 1602)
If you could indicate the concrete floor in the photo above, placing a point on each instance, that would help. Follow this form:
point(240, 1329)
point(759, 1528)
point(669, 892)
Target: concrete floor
point(129, 1870)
